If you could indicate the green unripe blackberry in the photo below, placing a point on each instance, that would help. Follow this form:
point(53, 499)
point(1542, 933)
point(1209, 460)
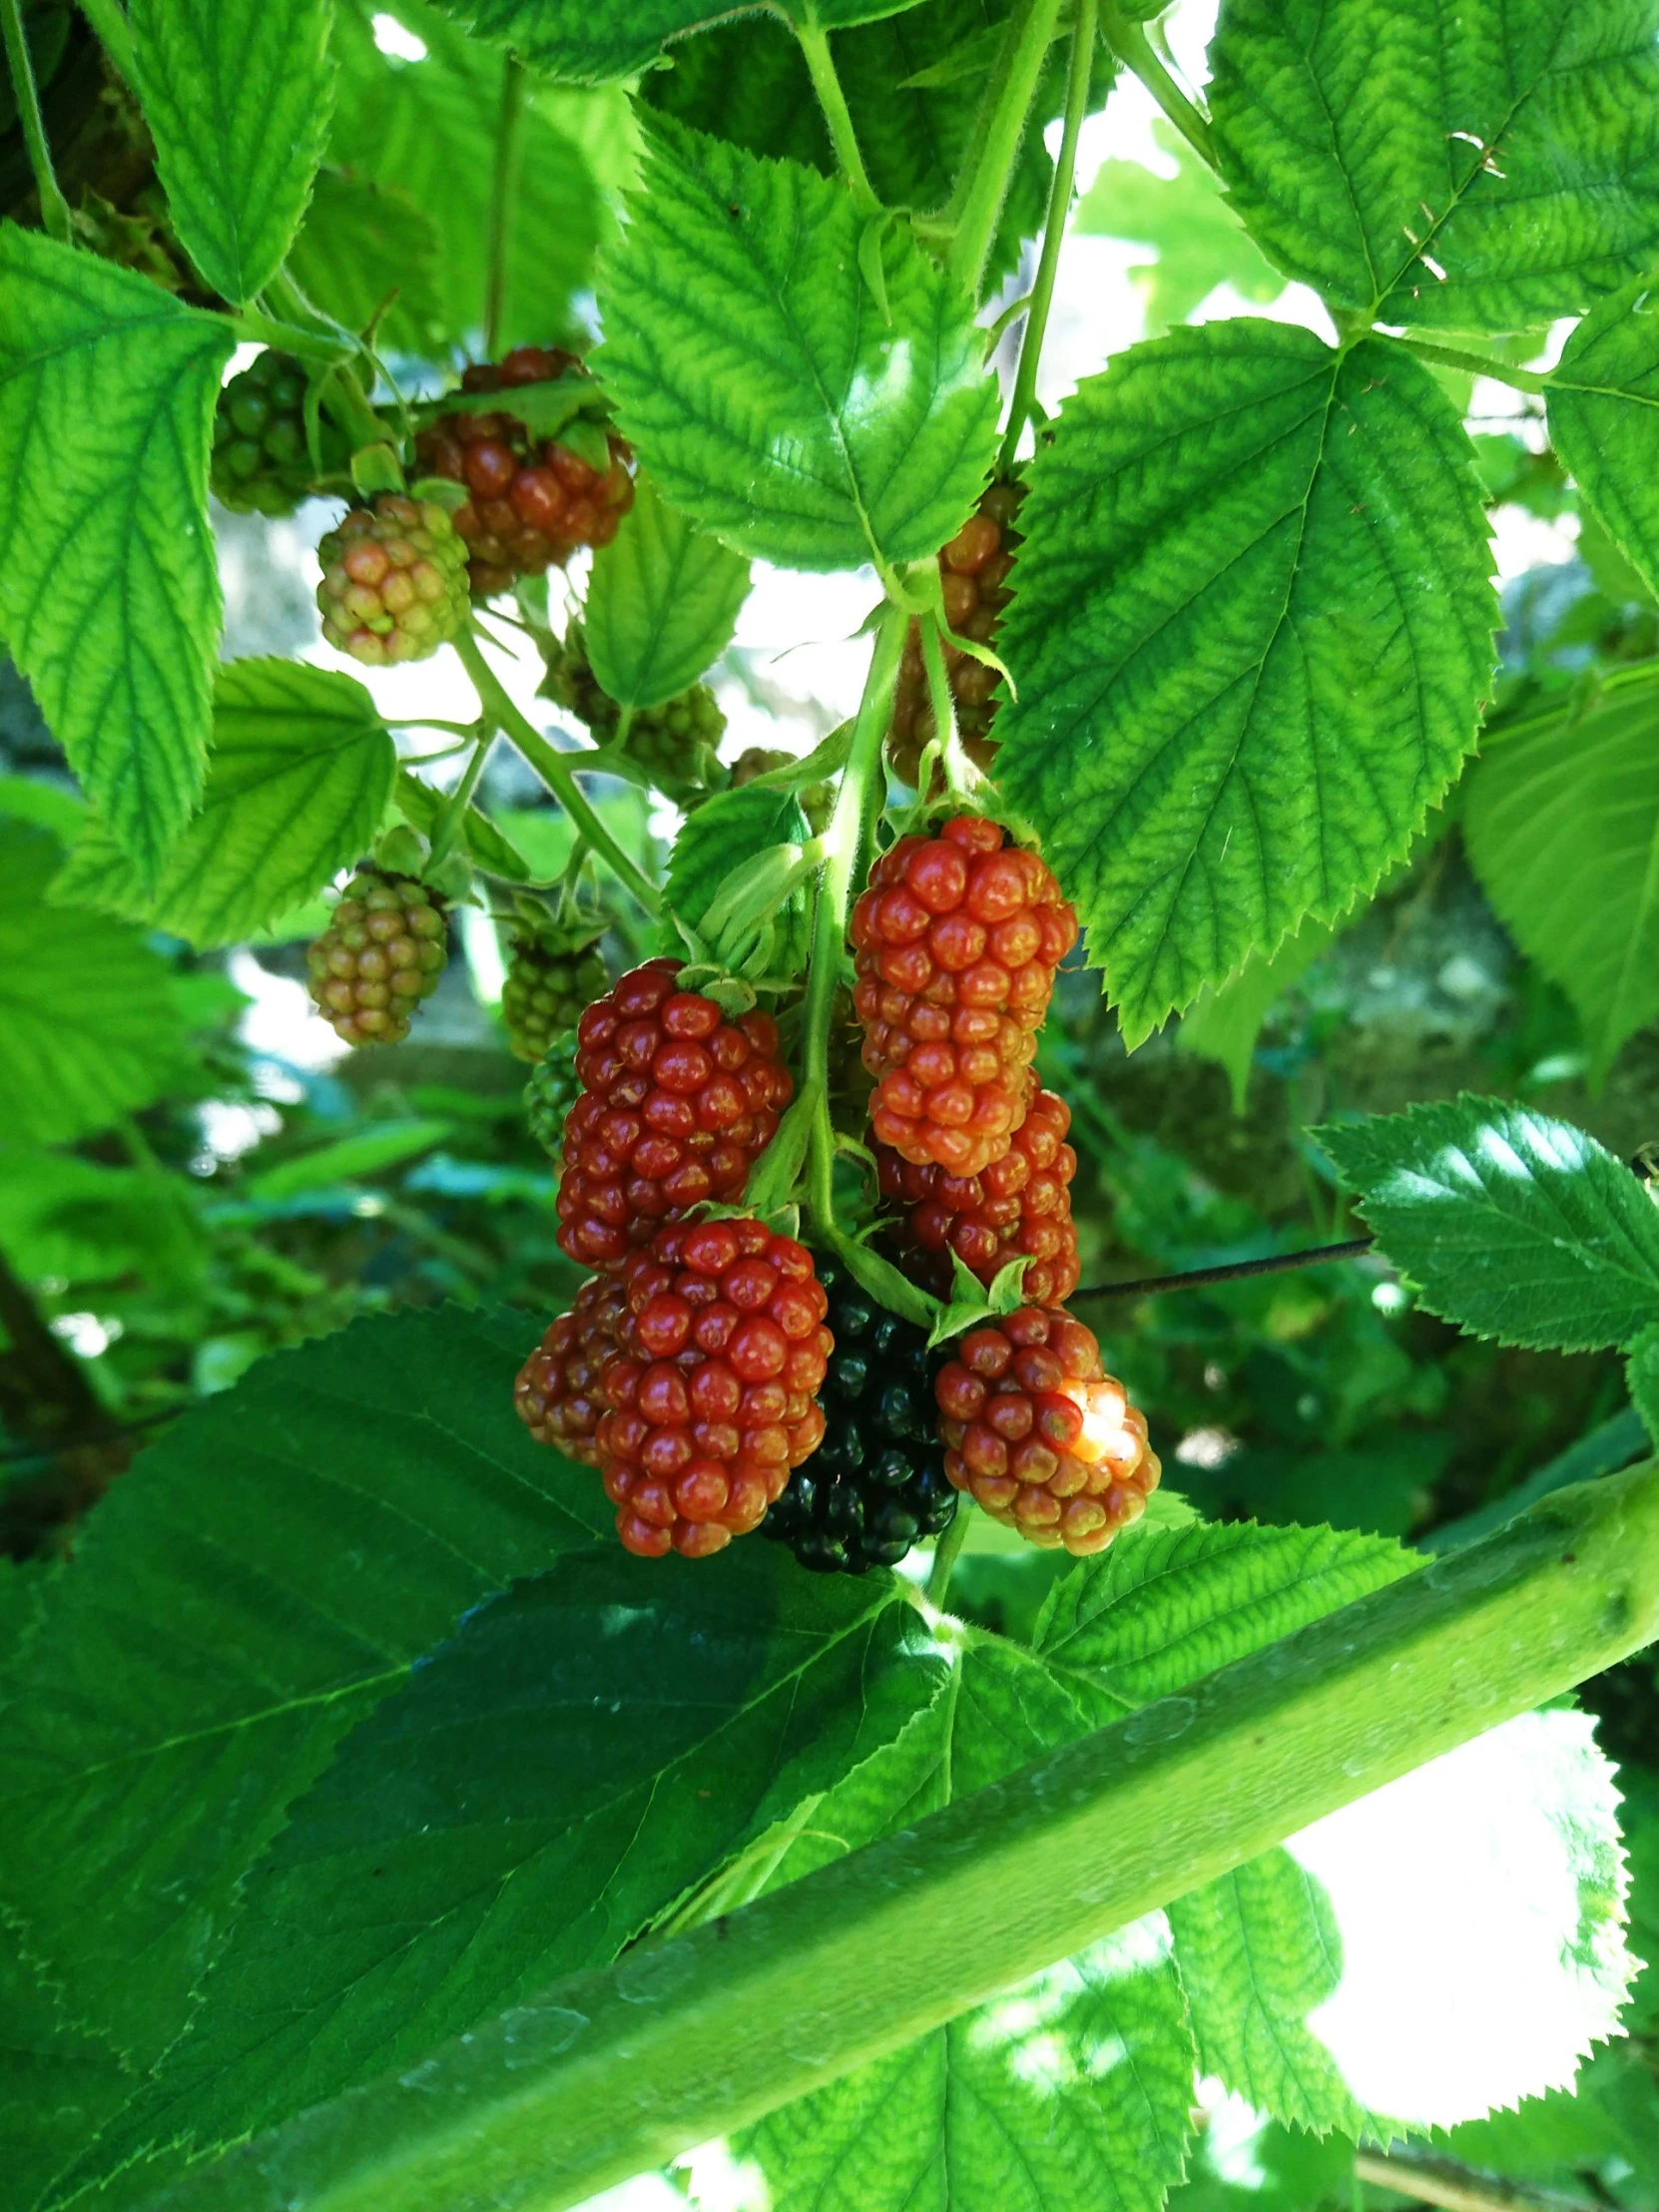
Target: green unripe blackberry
point(877, 1484)
point(552, 976)
point(675, 744)
point(260, 461)
point(394, 580)
point(552, 1090)
point(381, 954)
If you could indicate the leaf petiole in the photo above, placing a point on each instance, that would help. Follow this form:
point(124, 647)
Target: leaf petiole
point(983, 186)
point(1128, 40)
point(54, 207)
point(503, 195)
point(820, 67)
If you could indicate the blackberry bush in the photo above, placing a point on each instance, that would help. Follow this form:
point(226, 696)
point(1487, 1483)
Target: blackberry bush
point(877, 1484)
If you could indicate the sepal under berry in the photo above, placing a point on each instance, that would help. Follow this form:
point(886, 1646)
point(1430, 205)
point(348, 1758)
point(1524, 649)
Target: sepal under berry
point(712, 1391)
point(877, 1484)
point(394, 583)
point(1044, 1439)
point(381, 955)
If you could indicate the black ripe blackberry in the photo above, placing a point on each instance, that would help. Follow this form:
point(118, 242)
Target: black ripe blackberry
point(877, 1484)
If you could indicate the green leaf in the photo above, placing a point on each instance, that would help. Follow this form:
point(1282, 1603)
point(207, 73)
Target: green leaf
point(1603, 403)
point(109, 596)
point(748, 82)
point(368, 1152)
point(236, 95)
point(1074, 2090)
point(88, 1028)
point(428, 130)
point(362, 244)
point(494, 1825)
point(1149, 1617)
point(1199, 240)
point(768, 398)
point(1082, 2076)
point(1449, 1944)
point(58, 2084)
point(250, 1588)
point(662, 603)
point(588, 45)
point(727, 831)
point(1641, 1374)
point(1489, 169)
point(1510, 1224)
point(1561, 817)
point(1224, 1021)
point(300, 775)
point(1251, 633)
point(27, 799)
point(71, 1218)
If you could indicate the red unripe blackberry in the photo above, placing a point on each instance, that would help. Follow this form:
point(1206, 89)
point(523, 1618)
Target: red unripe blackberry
point(712, 1392)
point(557, 1396)
point(1040, 1435)
point(974, 569)
point(551, 976)
point(1017, 1208)
point(379, 956)
point(676, 1104)
point(531, 501)
point(394, 580)
point(955, 945)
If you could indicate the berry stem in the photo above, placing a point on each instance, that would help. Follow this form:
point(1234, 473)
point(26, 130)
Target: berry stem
point(290, 337)
point(983, 186)
point(820, 65)
point(448, 824)
point(944, 1557)
point(1132, 47)
point(555, 771)
point(842, 840)
point(54, 207)
point(113, 31)
point(1236, 1271)
point(1054, 230)
point(503, 193)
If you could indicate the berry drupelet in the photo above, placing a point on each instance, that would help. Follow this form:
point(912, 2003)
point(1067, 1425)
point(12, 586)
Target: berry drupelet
point(557, 1396)
point(877, 1484)
point(955, 945)
point(712, 1392)
point(1040, 1434)
point(1017, 1208)
point(530, 501)
point(676, 1104)
point(394, 580)
point(379, 956)
point(974, 569)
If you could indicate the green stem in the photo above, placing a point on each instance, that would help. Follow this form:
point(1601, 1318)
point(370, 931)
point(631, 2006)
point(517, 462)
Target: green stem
point(1128, 40)
point(1054, 229)
point(1477, 364)
point(290, 337)
point(448, 825)
point(114, 33)
point(944, 1555)
point(503, 187)
point(346, 401)
point(617, 2070)
point(557, 771)
point(54, 207)
point(820, 65)
point(842, 840)
point(984, 184)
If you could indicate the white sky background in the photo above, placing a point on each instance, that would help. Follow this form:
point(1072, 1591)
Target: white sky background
point(800, 632)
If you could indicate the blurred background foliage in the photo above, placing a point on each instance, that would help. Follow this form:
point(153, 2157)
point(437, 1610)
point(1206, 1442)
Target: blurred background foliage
point(192, 1177)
